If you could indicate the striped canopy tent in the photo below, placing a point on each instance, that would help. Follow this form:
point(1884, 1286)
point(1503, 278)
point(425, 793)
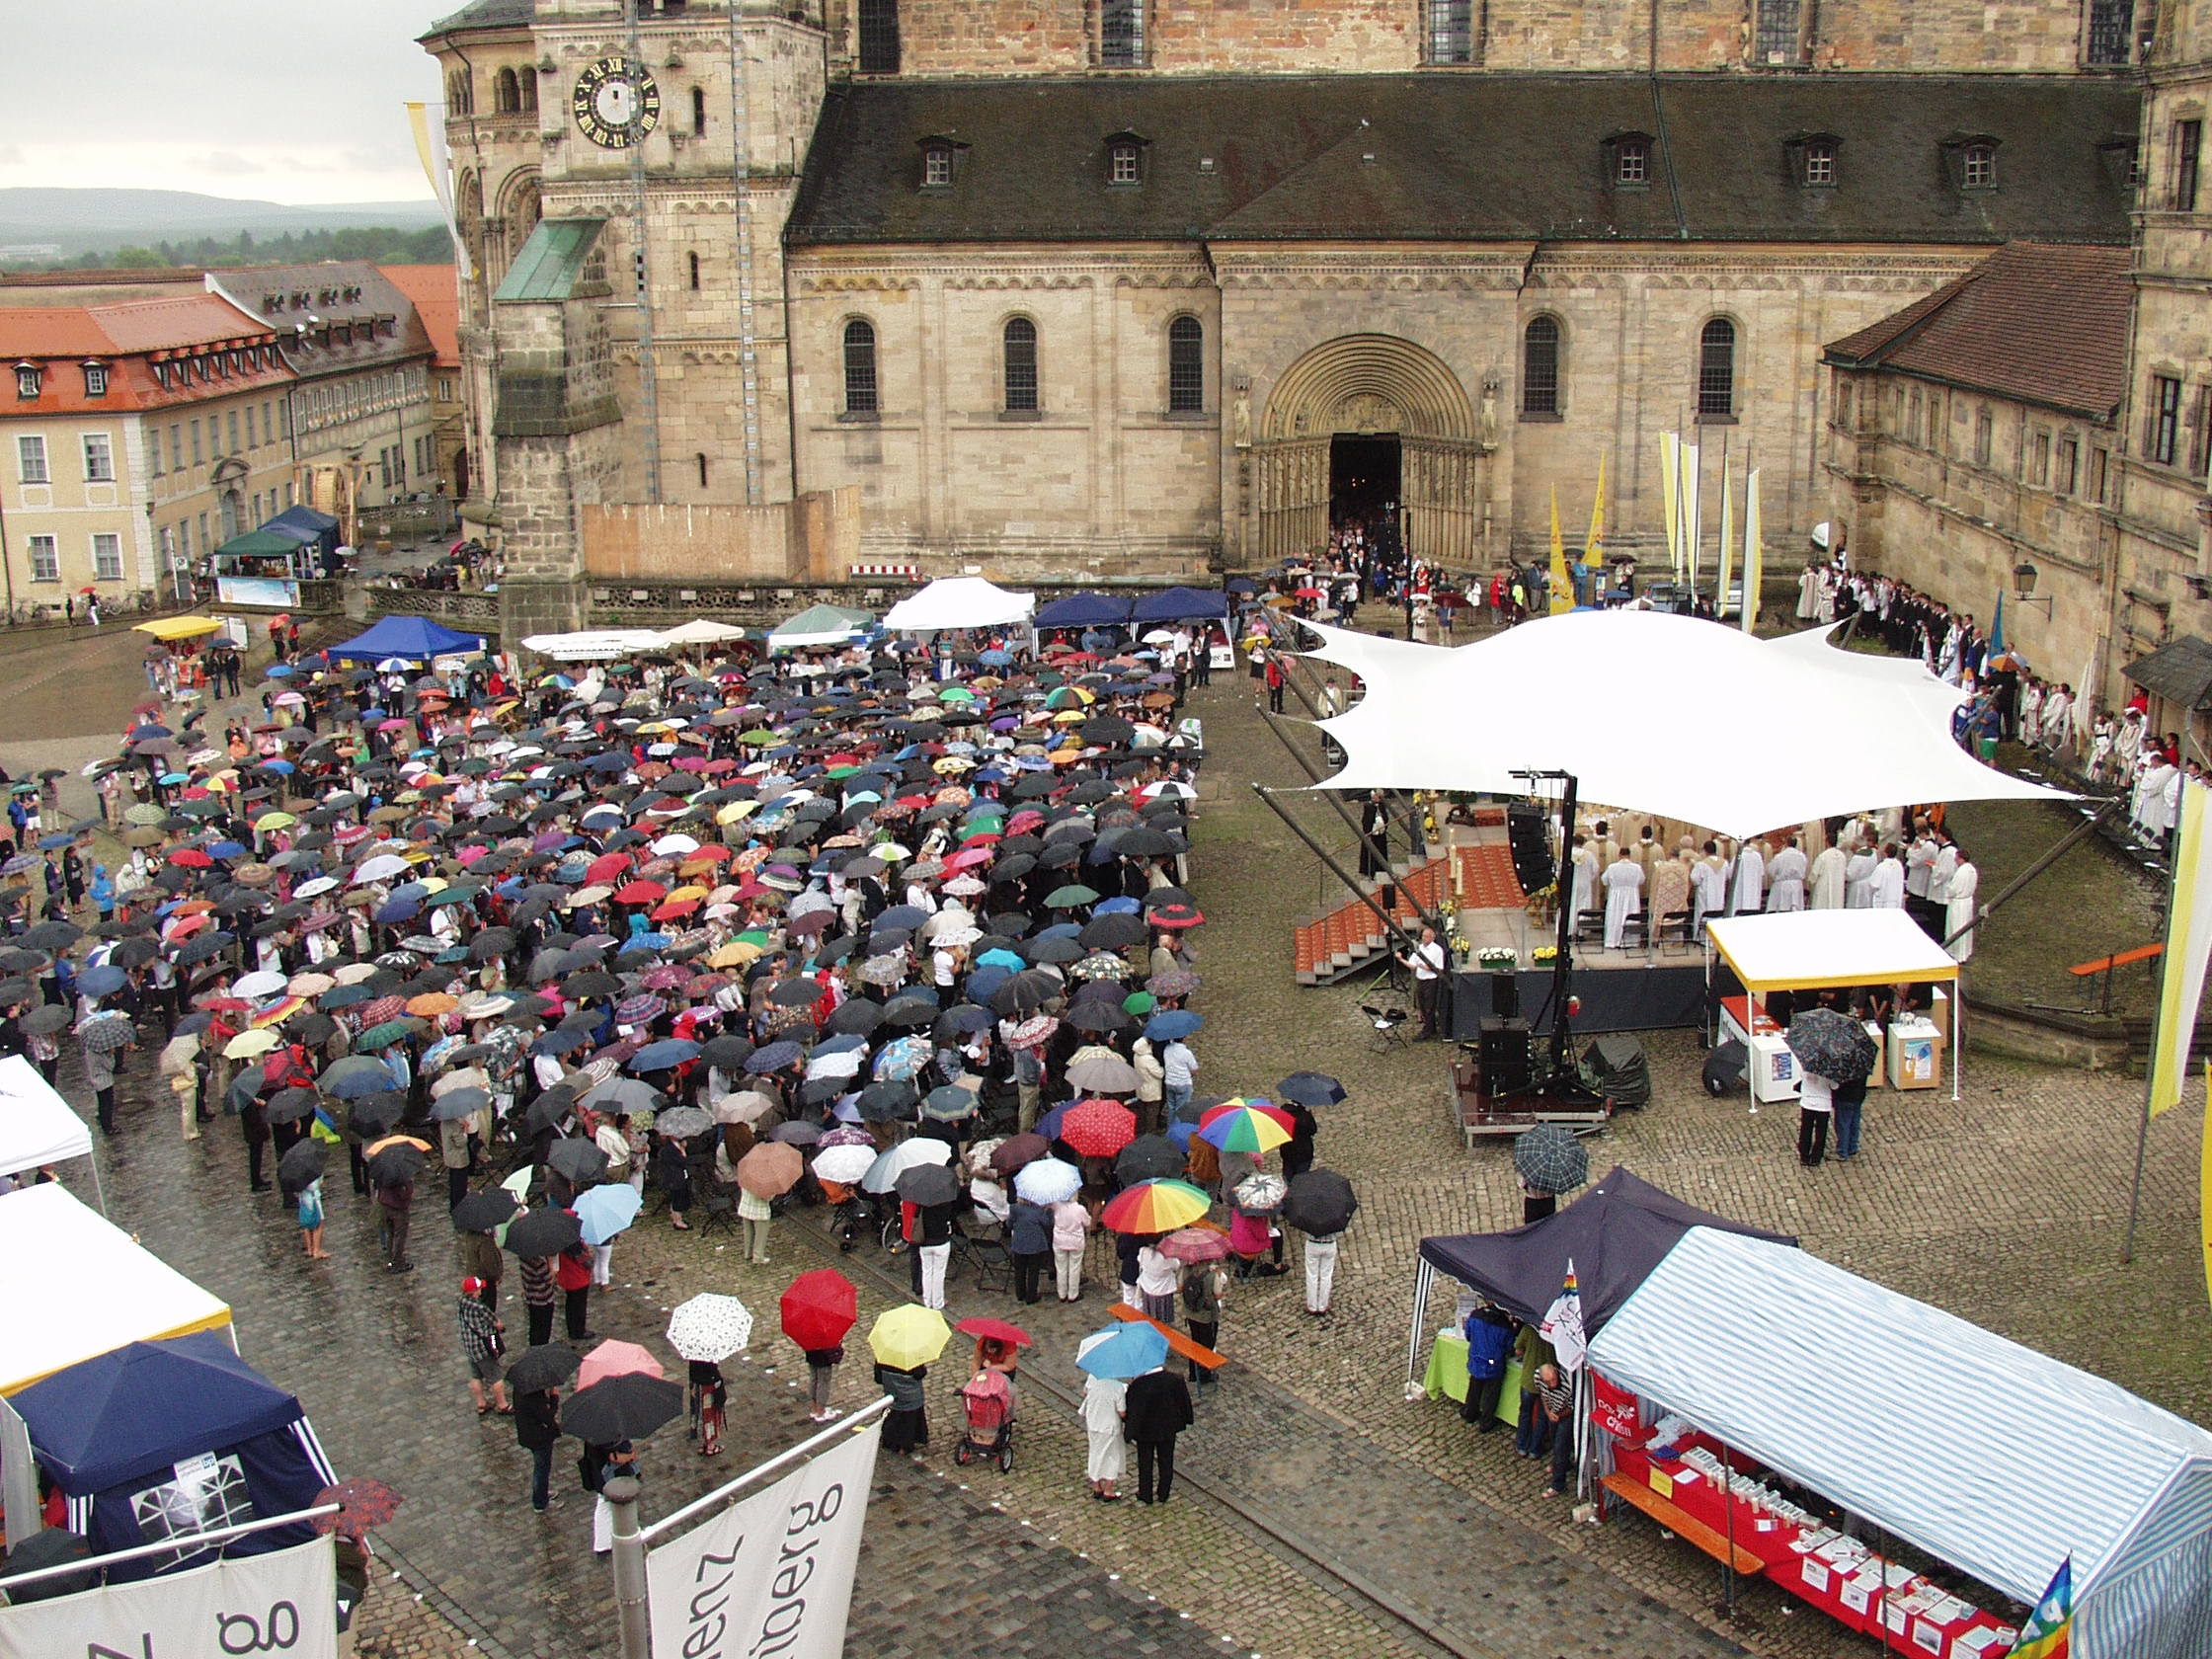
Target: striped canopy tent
point(1984, 1454)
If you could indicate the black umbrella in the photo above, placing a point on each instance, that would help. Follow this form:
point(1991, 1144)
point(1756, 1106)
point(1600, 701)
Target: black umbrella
point(373, 1114)
point(291, 1105)
point(1311, 1088)
point(1116, 930)
point(626, 1406)
point(543, 1232)
point(931, 1183)
point(52, 1548)
point(888, 1102)
point(857, 1018)
point(1832, 1045)
point(302, 1162)
point(481, 1212)
point(1149, 1158)
point(547, 1366)
point(580, 1160)
point(1319, 1202)
point(396, 1166)
point(1551, 1160)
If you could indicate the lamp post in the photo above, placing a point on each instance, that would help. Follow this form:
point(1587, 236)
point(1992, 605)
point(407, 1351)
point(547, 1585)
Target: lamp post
point(2023, 587)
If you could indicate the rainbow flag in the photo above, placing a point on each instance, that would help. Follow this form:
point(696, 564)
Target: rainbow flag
point(2049, 1630)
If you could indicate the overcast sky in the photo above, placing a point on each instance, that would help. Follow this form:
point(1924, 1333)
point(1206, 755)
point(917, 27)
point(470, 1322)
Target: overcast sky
point(296, 103)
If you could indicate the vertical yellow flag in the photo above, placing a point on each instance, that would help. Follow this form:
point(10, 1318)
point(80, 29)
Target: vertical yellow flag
point(1727, 540)
point(429, 149)
point(1594, 545)
point(1667, 500)
point(1563, 581)
point(2189, 936)
point(1755, 551)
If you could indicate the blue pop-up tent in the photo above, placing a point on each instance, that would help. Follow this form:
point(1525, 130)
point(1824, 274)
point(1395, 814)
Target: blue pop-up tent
point(1084, 610)
point(160, 1440)
point(417, 639)
point(310, 528)
point(1181, 604)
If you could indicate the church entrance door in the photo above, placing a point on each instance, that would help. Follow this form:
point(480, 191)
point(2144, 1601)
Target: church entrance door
point(1363, 485)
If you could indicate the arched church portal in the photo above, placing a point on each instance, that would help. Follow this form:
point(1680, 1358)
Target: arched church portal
point(1358, 428)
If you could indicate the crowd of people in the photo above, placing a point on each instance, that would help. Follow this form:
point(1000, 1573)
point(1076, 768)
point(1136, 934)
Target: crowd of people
point(686, 929)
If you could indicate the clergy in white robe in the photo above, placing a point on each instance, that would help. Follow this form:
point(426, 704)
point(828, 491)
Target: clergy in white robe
point(1965, 882)
point(1919, 858)
point(1709, 891)
point(1809, 595)
point(1751, 880)
point(1623, 881)
point(1859, 880)
point(1830, 871)
point(2056, 727)
point(1585, 879)
point(1885, 889)
point(1786, 890)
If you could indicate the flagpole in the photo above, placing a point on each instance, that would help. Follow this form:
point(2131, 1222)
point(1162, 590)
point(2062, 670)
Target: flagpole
point(2158, 1032)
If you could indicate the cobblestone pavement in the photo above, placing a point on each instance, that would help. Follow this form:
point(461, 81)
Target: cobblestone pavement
point(1327, 1515)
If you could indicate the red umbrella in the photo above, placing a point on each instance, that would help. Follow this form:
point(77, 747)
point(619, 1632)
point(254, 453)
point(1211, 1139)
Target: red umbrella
point(640, 893)
point(191, 858)
point(1098, 1127)
point(999, 1330)
point(820, 1308)
point(607, 866)
point(363, 1503)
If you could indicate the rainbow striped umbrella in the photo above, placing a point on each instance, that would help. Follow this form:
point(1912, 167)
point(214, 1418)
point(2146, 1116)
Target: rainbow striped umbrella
point(1244, 1127)
point(1155, 1207)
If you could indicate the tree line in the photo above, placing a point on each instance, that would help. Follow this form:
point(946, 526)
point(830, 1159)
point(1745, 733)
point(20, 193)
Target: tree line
point(378, 244)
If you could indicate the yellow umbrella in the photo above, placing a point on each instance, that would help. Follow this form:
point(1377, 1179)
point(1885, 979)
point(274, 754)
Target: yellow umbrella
point(736, 954)
point(908, 1336)
point(737, 809)
point(247, 1044)
point(690, 890)
point(274, 820)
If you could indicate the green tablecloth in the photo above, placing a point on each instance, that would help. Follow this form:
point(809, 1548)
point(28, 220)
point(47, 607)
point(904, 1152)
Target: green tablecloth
point(1447, 1376)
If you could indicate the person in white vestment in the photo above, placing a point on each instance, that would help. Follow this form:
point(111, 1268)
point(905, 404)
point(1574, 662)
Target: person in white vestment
point(1585, 879)
point(1751, 880)
point(1958, 913)
point(1786, 886)
point(1709, 889)
point(1623, 881)
point(1831, 871)
point(1859, 879)
point(1885, 891)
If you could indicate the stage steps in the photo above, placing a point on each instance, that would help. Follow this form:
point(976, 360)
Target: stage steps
point(1351, 936)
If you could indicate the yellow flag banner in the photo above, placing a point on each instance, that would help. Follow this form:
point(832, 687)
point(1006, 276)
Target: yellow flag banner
point(430, 148)
point(2188, 937)
point(1594, 545)
point(1755, 552)
point(1563, 581)
point(1670, 490)
point(1727, 542)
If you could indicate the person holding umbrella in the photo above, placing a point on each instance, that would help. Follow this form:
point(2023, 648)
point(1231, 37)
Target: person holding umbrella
point(537, 1430)
point(1835, 1055)
point(1320, 1204)
point(482, 1343)
point(1155, 1410)
point(904, 1340)
point(817, 1311)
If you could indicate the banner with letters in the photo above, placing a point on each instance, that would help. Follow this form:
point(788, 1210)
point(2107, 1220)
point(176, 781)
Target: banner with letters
point(771, 1577)
point(283, 1604)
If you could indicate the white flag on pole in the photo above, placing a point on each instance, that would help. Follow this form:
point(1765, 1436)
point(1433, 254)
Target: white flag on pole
point(1562, 1324)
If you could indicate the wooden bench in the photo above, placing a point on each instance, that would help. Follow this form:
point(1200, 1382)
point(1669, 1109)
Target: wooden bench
point(1682, 1523)
point(2106, 964)
point(1195, 1352)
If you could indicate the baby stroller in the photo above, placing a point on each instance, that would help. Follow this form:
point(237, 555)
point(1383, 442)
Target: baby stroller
point(988, 1404)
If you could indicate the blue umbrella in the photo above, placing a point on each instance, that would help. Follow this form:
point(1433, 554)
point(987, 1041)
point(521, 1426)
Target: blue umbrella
point(399, 909)
point(277, 767)
point(774, 1058)
point(1123, 1350)
point(660, 1056)
point(55, 844)
point(101, 981)
point(606, 1209)
point(997, 958)
point(1049, 1125)
point(1116, 907)
point(1172, 1026)
point(226, 849)
point(904, 1060)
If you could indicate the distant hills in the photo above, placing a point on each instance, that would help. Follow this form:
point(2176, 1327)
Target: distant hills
point(89, 220)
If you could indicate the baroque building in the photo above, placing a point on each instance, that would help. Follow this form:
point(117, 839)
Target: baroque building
point(1106, 289)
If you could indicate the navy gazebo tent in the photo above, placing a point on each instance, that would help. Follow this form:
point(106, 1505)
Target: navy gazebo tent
point(1181, 604)
point(415, 639)
point(1084, 610)
point(157, 1440)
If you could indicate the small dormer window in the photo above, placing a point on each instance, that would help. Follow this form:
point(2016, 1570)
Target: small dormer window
point(1820, 163)
point(96, 380)
point(29, 379)
point(936, 167)
point(1977, 167)
point(161, 375)
point(1125, 164)
point(1631, 161)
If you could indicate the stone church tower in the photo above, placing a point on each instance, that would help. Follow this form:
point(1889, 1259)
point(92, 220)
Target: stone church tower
point(1128, 289)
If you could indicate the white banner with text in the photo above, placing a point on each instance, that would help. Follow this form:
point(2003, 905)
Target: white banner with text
point(284, 1602)
point(770, 1577)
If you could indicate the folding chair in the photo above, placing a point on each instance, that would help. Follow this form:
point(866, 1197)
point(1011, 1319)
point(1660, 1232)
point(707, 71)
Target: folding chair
point(1386, 1023)
point(718, 1210)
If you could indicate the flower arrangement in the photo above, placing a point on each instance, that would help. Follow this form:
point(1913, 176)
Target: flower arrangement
point(1545, 955)
point(1496, 959)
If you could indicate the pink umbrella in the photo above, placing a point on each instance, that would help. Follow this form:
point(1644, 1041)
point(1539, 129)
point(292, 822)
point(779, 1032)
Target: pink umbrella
point(616, 1359)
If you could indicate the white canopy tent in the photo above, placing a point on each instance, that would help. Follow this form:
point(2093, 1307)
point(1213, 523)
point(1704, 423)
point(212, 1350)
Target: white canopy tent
point(1979, 1451)
point(37, 1126)
point(702, 630)
point(958, 601)
point(1808, 950)
point(76, 1287)
point(1633, 703)
point(592, 645)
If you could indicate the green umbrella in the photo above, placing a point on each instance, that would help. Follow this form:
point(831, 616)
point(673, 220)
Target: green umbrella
point(1070, 896)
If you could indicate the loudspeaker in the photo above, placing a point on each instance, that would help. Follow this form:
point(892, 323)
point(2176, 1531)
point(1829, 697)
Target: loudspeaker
point(1387, 896)
point(1508, 1060)
point(1505, 994)
point(1531, 844)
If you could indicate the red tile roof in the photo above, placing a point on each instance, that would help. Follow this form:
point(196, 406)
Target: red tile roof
point(436, 299)
point(2039, 322)
point(124, 334)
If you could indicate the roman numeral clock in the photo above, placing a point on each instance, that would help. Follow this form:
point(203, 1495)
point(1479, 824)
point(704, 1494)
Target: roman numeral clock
point(615, 102)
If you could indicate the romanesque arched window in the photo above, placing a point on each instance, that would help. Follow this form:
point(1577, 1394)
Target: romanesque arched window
point(1186, 365)
point(1020, 364)
point(1716, 369)
point(860, 367)
point(1539, 367)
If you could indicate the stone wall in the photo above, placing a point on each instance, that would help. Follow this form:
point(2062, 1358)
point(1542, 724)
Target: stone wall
point(815, 538)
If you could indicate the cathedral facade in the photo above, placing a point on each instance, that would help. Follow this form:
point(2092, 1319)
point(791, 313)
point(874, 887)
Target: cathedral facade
point(1130, 290)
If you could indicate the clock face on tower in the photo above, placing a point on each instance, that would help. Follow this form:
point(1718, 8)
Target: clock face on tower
point(617, 103)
